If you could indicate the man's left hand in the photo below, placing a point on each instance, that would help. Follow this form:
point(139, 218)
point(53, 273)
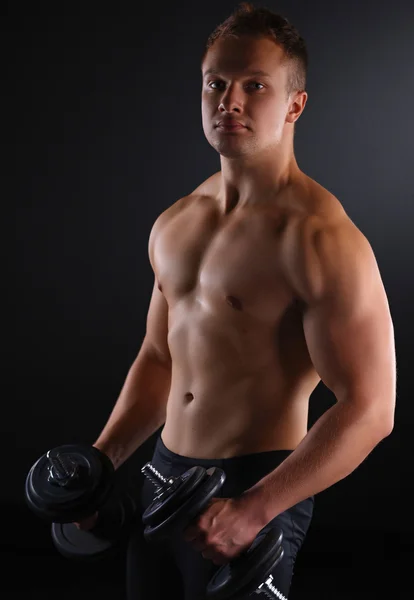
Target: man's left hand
point(224, 530)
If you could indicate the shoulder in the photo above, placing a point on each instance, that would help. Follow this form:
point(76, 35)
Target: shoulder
point(204, 190)
point(324, 246)
point(162, 220)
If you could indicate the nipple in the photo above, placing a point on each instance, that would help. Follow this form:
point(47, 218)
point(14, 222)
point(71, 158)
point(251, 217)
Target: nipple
point(234, 302)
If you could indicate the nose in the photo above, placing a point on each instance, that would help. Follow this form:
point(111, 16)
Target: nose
point(231, 100)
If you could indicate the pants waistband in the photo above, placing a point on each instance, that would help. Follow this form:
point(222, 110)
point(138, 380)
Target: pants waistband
point(269, 456)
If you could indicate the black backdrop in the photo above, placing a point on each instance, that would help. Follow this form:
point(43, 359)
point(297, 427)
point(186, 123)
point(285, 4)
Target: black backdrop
point(106, 131)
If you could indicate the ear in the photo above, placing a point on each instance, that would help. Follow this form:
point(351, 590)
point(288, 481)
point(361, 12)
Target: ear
point(297, 106)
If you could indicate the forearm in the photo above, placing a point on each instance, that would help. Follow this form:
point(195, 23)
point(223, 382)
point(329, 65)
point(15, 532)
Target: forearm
point(335, 446)
point(139, 410)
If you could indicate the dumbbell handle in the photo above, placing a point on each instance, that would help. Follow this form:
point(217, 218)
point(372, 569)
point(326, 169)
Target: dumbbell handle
point(155, 476)
point(269, 590)
point(151, 473)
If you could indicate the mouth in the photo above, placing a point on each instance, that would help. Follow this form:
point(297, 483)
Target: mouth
point(230, 127)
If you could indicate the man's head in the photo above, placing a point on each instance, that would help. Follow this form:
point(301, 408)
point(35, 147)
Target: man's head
point(253, 39)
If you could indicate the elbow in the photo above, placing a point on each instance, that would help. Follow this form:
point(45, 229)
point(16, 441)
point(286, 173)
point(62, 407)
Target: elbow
point(388, 427)
point(379, 425)
point(384, 425)
point(378, 416)
point(387, 417)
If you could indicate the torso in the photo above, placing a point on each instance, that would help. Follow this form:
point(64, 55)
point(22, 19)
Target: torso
point(241, 372)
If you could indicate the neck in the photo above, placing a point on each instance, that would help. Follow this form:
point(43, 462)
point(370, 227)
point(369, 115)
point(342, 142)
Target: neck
point(251, 180)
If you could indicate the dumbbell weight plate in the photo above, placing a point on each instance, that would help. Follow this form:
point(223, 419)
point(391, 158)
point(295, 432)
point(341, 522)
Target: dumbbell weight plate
point(174, 495)
point(259, 578)
point(103, 540)
point(193, 506)
point(245, 573)
point(90, 488)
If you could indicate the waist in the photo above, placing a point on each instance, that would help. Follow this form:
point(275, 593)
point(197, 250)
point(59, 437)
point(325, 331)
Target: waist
point(227, 425)
point(264, 456)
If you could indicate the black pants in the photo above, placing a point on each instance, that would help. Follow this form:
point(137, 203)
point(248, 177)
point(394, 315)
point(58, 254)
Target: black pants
point(174, 569)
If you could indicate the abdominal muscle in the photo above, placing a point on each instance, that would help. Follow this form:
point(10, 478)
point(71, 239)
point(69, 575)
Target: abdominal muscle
point(231, 422)
point(230, 393)
point(241, 374)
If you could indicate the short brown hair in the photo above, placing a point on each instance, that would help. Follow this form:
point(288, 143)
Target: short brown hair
point(261, 22)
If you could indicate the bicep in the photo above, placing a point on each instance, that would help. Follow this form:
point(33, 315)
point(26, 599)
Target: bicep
point(352, 351)
point(156, 334)
point(347, 323)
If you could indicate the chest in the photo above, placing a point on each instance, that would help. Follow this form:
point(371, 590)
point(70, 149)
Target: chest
point(233, 262)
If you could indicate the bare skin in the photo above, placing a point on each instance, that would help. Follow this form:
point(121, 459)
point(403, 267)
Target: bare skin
point(241, 371)
point(263, 287)
point(224, 259)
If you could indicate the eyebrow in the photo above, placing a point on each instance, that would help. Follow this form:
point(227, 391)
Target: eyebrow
point(248, 74)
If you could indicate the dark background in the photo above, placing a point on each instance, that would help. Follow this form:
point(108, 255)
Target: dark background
point(107, 133)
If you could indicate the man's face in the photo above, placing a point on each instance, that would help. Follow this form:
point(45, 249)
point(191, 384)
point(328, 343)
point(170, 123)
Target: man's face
point(258, 101)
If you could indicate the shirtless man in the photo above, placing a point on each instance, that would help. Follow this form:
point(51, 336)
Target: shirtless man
point(263, 287)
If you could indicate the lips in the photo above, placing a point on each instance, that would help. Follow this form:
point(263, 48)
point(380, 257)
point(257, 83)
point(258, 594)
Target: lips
point(230, 125)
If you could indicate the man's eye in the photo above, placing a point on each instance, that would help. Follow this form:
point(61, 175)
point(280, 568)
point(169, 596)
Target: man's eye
point(213, 83)
point(220, 82)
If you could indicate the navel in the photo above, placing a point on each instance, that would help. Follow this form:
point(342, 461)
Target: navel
point(189, 397)
point(281, 224)
point(234, 302)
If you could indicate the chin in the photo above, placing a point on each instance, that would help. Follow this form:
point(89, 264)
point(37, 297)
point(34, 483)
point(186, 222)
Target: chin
point(230, 147)
point(232, 153)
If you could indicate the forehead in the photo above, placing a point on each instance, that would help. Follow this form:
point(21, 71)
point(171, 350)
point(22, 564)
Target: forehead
point(244, 54)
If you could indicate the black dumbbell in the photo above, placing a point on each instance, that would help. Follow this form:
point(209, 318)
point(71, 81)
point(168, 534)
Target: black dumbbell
point(179, 500)
point(70, 483)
